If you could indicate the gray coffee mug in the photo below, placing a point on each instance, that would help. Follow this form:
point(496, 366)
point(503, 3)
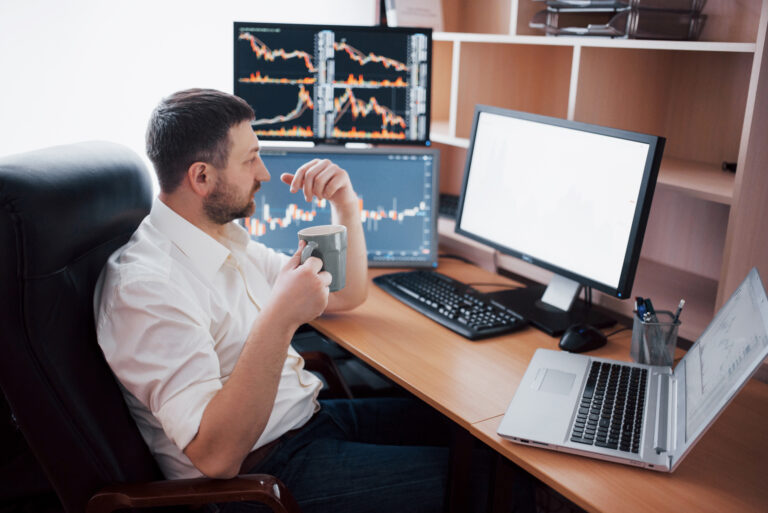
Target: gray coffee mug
point(328, 242)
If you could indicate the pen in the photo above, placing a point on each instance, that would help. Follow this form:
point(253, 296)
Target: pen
point(679, 309)
point(640, 305)
point(650, 310)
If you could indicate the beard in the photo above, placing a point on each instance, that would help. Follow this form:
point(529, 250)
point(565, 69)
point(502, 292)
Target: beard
point(224, 204)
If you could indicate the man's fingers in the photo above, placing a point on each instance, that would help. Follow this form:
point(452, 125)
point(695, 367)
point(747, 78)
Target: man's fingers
point(333, 185)
point(321, 181)
point(321, 178)
point(295, 259)
point(298, 177)
point(307, 165)
point(314, 264)
point(309, 177)
point(326, 278)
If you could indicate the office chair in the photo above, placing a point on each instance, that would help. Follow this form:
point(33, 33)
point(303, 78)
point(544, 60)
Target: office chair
point(63, 211)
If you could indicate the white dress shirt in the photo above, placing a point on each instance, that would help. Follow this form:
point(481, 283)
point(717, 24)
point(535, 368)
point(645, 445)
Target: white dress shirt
point(173, 310)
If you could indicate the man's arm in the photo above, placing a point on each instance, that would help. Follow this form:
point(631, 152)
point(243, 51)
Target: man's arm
point(236, 416)
point(326, 180)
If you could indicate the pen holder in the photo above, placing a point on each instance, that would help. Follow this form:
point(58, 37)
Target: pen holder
point(654, 343)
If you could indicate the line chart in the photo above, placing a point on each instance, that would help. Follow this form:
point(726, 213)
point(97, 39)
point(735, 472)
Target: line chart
point(355, 134)
point(304, 103)
point(363, 59)
point(315, 82)
point(263, 51)
point(359, 108)
point(257, 78)
point(360, 81)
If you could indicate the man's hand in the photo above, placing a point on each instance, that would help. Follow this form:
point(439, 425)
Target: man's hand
point(300, 293)
point(323, 179)
point(237, 415)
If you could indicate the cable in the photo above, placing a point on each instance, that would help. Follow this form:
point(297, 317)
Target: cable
point(454, 256)
point(617, 331)
point(490, 284)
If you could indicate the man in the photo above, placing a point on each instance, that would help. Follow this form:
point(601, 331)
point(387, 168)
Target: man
point(195, 320)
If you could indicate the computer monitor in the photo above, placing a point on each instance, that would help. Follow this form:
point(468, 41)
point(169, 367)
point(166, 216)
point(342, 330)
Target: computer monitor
point(569, 197)
point(335, 84)
point(398, 202)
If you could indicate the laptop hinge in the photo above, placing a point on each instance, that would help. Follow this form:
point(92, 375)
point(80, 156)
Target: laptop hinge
point(661, 432)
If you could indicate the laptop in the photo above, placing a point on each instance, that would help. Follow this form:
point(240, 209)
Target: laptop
point(641, 415)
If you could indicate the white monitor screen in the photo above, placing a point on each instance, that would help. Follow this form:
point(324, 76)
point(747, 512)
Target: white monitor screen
point(558, 195)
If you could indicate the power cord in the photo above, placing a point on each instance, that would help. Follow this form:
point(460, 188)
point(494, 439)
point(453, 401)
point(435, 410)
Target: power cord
point(491, 284)
point(454, 256)
point(617, 331)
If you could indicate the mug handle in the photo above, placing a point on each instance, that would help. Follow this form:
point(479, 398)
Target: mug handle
point(307, 251)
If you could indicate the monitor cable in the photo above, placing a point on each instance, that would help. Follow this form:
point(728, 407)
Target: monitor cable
point(491, 284)
point(455, 257)
point(617, 331)
point(588, 296)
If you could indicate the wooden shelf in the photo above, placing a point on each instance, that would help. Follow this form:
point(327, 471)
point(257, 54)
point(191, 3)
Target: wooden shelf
point(697, 179)
point(638, 44)
point(664, 284)
point(440, 132)
point(705, 97)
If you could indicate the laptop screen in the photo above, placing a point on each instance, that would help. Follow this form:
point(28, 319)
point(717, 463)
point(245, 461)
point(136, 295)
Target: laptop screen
point(726, 354)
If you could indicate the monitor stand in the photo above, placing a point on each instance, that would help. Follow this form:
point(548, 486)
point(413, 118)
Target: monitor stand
point(534, 303)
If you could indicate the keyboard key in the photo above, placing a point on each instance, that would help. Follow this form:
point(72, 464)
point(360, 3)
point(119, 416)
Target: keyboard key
point(614, 403)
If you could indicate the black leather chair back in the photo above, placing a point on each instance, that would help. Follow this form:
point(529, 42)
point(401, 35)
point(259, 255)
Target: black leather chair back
point(63, 211)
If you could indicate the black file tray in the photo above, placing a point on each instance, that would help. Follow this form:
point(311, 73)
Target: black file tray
point(630, 23)
point(620, 5)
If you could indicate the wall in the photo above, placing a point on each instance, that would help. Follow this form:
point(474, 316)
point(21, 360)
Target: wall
point(87, 69)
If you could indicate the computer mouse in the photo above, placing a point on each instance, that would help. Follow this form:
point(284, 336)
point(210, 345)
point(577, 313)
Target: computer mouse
point(579, 338)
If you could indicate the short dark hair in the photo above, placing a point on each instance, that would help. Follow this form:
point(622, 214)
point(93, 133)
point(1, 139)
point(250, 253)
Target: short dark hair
point(192, 126)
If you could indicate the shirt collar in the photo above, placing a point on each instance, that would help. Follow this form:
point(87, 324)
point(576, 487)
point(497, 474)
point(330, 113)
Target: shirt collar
point(237, 235)
point(205, 252)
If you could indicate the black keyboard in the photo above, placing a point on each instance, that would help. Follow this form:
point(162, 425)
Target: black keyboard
point(612, 405)
point(451, 303)
point(448, 205)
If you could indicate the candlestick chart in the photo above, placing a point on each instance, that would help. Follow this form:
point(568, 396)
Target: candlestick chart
point(395, 203)
point(318, 83)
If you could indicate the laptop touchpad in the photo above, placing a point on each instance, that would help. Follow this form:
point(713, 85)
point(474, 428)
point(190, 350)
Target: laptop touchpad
point(556, 381)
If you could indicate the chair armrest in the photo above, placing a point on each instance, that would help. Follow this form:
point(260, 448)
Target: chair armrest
point(317, 361)
point(193, 492)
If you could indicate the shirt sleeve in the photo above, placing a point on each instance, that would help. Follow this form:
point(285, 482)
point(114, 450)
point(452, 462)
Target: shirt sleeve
point(155, 337)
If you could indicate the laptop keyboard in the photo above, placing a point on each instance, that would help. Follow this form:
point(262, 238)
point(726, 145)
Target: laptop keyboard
point(611, 409)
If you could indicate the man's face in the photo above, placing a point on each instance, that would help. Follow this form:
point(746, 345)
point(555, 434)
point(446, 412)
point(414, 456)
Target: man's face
point(232, 195)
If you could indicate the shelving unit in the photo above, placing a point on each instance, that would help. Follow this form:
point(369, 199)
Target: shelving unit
point(708, 98)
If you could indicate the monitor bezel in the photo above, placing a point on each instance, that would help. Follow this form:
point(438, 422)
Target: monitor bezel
point(354, 28)
point(326, 151)
point(642, 210)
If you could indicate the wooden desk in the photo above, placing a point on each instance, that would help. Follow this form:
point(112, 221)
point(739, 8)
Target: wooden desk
point(472, 383)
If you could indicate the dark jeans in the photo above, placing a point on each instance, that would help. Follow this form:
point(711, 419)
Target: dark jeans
point(363, 455)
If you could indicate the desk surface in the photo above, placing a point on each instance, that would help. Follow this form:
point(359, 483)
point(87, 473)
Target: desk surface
point(472, 383)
